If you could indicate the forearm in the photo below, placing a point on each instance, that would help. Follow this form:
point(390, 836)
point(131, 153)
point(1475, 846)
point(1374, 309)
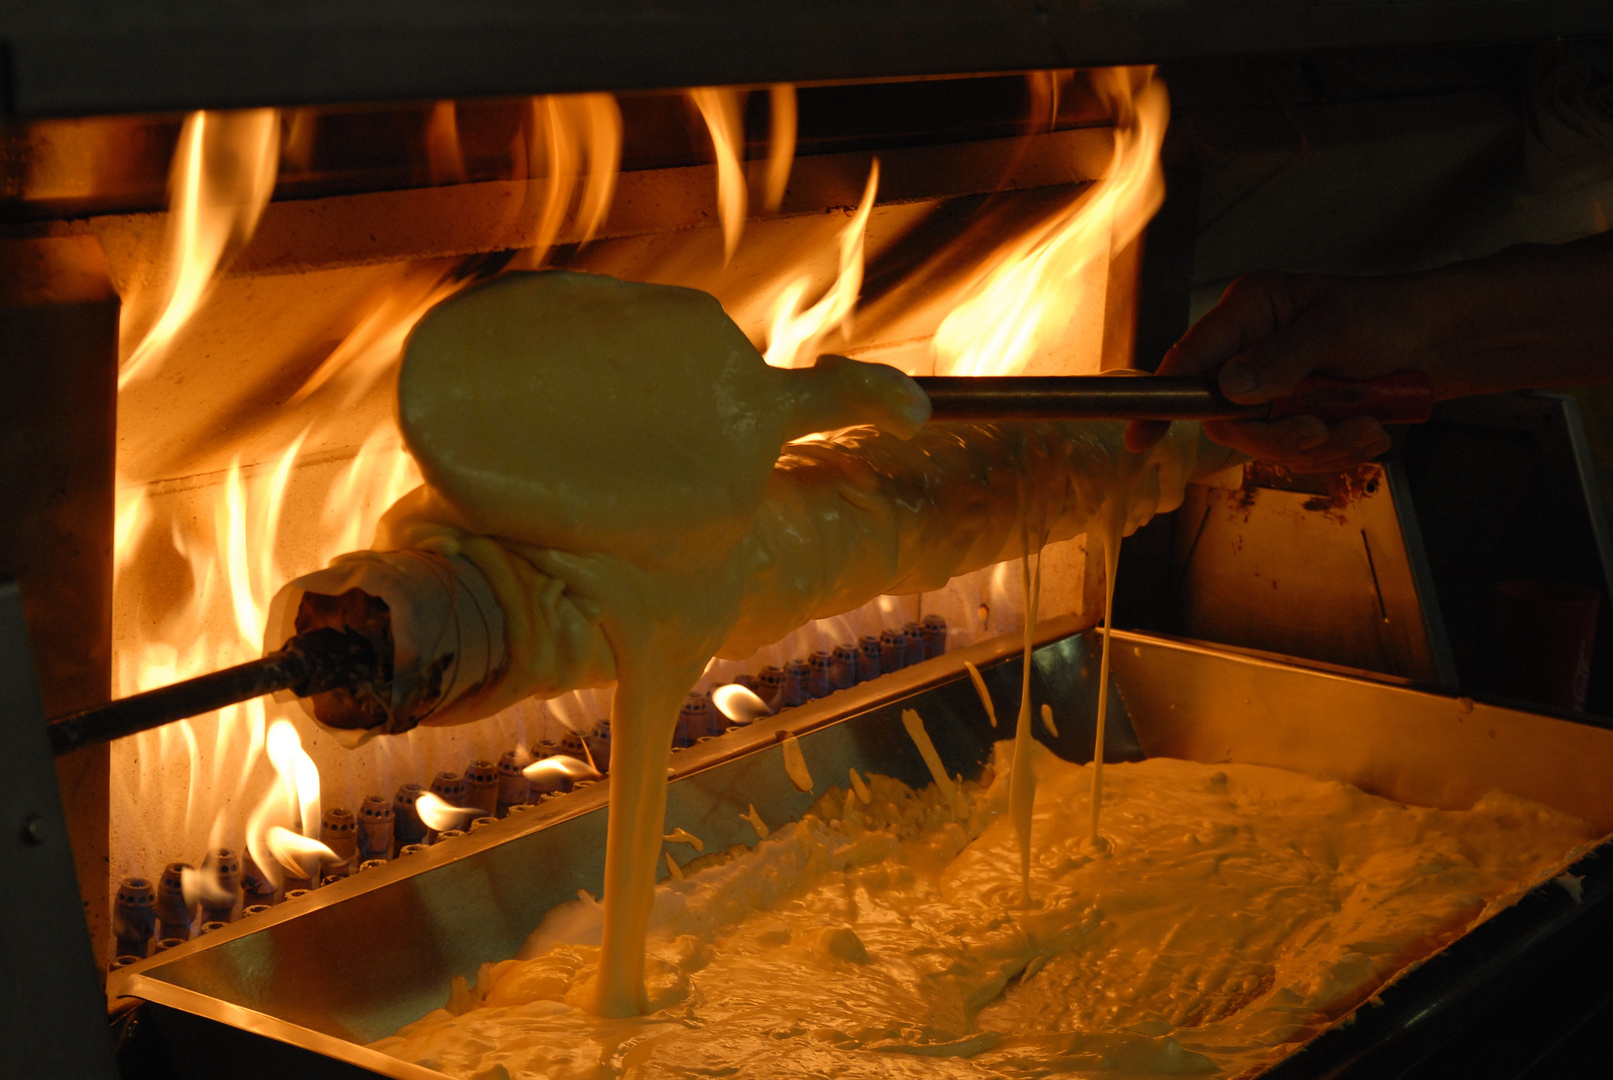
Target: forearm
point(1529, 316)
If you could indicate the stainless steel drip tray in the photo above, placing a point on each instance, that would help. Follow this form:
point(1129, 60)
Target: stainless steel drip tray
point(303, 986)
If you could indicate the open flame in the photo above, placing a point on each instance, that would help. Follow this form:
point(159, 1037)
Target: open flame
point(796, 333)
point(298, 855)
point(1019, 305)
point(223, 175)
point(780, 144)
point(439, 814)
point(562, 767)
point(739, 703)
point(445, 160)
point(227, 543)
point(292, 801)
point(203, 886)
point(575, 137)
point(720, 109)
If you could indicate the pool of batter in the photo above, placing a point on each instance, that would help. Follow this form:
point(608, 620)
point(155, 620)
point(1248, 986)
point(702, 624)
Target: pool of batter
point(1237, 911)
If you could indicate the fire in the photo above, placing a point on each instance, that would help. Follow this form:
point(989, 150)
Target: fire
point(223, 544)
point(1019, 306)
point(795, 333)
point(369, 353)
point(298, 855)
point(578, 136)
point(721, 111)
point(780, 144)
point(439, 814)
point(739, 704)
point(292, 801)
point(223, 175)
point(443, 154)
point(202, 886)
point(560, 766)
point(564, 131)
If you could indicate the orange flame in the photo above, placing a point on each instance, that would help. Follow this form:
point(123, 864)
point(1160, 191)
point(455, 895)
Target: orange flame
point(444, 157)
point(561, 766)
point(601, 124)
point(1017, 307)
point(438, 814)
point(720, 109)
point(795, 333)
point(202, 886)
point(780, 144)
point(299, 779)
point(297, 152)
point(292, 799)
point(299, 855)
point(564, 131)
point(370, 351)
point(221, 178)
point(236, 547)
point(739, 703)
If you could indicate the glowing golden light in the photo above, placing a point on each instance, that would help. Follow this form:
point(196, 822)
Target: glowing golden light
point(298, 855)
point(796, 333)
point(445, 159)
point(299, 777)
point(203, 886)
point(1018, 305)
point(780, 145)
point(292, 800)
point(565, 131)
point(720, 110)
point(561, 766)
point(370, 351)
point(221, 179)
point(439, 814)
point(288, 509)
point(739, 703)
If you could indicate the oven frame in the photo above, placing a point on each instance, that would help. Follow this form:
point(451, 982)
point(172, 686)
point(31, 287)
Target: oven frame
point(103, 56)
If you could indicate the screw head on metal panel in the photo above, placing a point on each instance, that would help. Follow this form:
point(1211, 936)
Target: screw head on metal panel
point(33, 830)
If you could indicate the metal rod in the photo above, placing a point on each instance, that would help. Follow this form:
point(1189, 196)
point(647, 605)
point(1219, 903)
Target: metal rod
point(310, 663)
point(1079, 397)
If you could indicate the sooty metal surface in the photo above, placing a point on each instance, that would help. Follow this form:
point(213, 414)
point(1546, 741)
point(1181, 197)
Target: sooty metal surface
point(301, 987)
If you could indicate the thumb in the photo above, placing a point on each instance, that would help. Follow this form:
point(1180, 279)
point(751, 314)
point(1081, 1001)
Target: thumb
point(1274, 365)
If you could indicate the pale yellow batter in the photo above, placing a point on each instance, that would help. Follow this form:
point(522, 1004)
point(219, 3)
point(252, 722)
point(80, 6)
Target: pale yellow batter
point(1240, 910)
point(608, 456)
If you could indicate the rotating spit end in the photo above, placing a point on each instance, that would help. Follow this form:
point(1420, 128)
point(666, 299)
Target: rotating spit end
point(419, 632)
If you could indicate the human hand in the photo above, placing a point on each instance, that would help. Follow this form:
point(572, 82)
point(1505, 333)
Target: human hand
point(1271, 330)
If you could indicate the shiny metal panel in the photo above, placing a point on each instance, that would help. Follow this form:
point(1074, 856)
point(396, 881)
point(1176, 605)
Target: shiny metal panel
point(1327, 575)
point(1433, 749)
